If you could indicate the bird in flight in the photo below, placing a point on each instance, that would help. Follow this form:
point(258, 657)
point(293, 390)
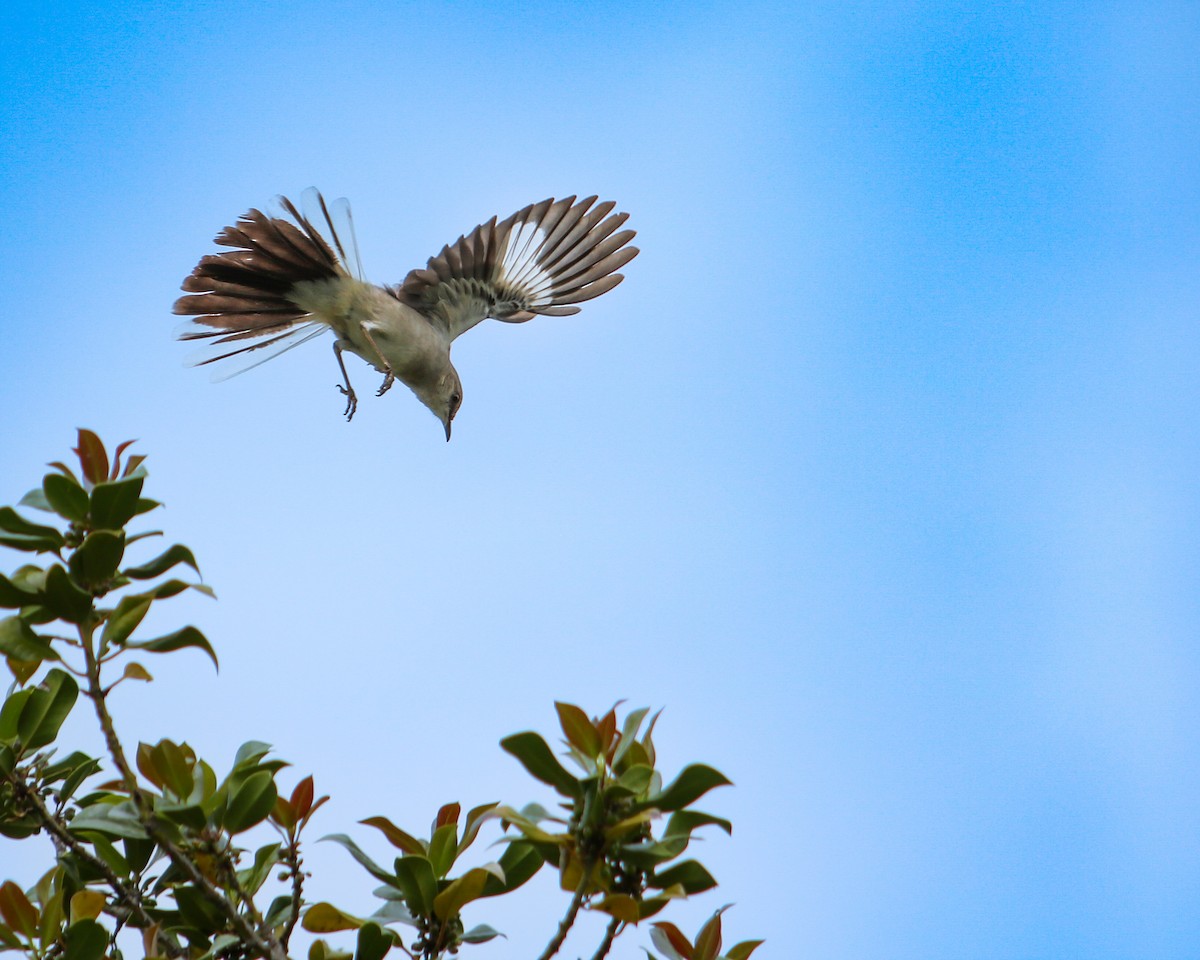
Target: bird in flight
point(294, 273)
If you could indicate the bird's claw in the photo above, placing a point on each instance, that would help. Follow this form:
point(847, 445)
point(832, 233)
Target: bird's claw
point(351, 401)
point(388, 380)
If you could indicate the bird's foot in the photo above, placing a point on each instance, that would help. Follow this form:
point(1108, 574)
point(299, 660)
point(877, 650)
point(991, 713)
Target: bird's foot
point(351, 401)
point(388, 380)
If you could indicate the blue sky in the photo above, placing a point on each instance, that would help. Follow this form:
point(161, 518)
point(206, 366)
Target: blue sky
point(879, 472)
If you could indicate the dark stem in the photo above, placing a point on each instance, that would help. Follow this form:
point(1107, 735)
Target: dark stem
point(614, 930)
point(267, 948)
point(568, 919)
point(293, 861)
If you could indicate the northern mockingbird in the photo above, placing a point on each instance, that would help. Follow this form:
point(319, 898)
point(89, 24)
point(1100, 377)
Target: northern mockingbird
point(292, 275)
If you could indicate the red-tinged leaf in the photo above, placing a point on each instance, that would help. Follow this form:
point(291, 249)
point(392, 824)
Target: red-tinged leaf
point(396, 837)
point(93, 458)
point(146, 765)
point(18, 913)
point(578, 729)
point(133, 463)
point(474, 821)
point(302, 797)
point(116, 464)
point(667, 936)
point(63, 468)
point(607, 730)
point(313, 809)
point(284, 813)
point(708, 940)
point(743, 950)
point(460, 892)
point(447, 814)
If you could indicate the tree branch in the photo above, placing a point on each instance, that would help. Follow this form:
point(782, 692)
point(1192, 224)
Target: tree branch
point(614, 930)
point(568, 919)
point(266, 947)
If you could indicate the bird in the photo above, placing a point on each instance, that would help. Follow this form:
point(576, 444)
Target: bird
point(294, 273)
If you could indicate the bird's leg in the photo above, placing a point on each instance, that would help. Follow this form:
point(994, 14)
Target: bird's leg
point(347, 390)
point(388, 376)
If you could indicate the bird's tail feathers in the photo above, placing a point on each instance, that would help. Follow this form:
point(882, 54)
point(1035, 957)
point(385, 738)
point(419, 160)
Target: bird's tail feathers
point(238, 300)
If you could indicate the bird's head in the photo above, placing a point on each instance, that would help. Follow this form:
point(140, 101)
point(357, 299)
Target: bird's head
point(443, 395)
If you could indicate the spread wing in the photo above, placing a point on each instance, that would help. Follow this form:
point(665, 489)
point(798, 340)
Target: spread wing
point(542, 260)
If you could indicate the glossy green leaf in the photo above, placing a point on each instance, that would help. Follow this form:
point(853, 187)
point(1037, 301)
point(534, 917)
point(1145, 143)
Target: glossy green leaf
point(371, 866)
point(114, 503)
point(36, 499)
point(373, 942)
point(198, 911)
point(13, 523)
point(114, 820)
point(461, 891)
point(251, 802)
point(95, 563)
point(17, 640)
point(162, 563)
point(519, 863)
point(14, 596)
point(417, 880)
point(10, 713)
point(537, 758)
point(64, 598)
point(443, 848)
point(695, 781)
point(47, 708)
point(684, 822)
point(124, 619)
point(265, 859)
point(474, 821)
point(481, 933)
point(180, 639)
point(65, 497)
point(690, 875)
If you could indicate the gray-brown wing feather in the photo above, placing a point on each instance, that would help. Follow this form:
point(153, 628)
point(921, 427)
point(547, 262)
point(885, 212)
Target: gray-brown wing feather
point(543, 259)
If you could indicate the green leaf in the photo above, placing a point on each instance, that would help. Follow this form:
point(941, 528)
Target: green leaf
point(371, 866)
point(578, 729)
point(443, 848)
point(481, 933)
point(162, 563)
point(690, 875)
point(326, 918)
point(536, 757)
point(373, 942)
point(417, 880)
point(13, 522)
point(396, 837)
point(109, 819)
point(96, 561)
point(17, 640)
point(460, 892)
point(15, 596)
point(743, 950)
point(265, 858)
point(475, 819)
point(185, 637)
point(37, 499)
point(251, 802)
point(10, 713)
point(695, 781)
point(114, 503)
point(629, 729)
point(684, 822)
point(708, 941)
point(45, 711)
point(124, 619)
point(197, 911)
point(519, 863)
point(87, 905)
point(66, 497)
point(64, 598)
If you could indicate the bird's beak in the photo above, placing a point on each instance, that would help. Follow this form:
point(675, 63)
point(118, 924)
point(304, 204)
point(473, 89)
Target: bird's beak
point(447, 431)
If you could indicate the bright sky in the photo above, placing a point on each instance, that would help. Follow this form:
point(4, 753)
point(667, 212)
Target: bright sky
point(879, 472)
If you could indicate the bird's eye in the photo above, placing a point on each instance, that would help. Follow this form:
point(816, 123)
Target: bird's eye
point(455, 401)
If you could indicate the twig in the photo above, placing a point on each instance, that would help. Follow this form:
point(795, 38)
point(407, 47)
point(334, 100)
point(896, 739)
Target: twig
point(267, 947)
point(130, 897)
point(568, 919)
point(614, 930)
point(293, 861)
